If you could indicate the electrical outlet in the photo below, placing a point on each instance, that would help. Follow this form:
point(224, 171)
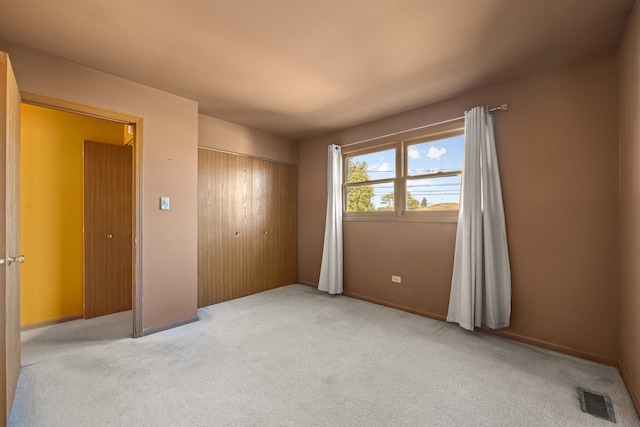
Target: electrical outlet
point(396, 279)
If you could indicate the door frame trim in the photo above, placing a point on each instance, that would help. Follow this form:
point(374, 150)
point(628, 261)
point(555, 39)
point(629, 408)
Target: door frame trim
point(85, 110)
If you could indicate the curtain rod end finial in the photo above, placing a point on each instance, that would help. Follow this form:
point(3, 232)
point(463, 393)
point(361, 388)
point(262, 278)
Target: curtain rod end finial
point(504, 107)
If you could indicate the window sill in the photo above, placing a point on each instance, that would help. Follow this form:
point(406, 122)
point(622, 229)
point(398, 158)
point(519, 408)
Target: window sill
point(442, 217)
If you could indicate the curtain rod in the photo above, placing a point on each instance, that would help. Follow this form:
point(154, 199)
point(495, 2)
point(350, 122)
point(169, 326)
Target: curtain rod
point(498, 108)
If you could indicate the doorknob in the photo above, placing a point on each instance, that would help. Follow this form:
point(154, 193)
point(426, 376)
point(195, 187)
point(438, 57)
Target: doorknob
point(18, 260)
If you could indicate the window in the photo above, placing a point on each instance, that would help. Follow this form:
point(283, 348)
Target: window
point(370, 179)
point(414, 179)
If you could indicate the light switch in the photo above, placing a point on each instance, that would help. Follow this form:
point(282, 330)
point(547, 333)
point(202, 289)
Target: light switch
point(164, 203)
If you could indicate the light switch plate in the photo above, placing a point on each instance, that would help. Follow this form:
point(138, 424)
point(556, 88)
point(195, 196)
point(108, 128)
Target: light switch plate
point(164, 203)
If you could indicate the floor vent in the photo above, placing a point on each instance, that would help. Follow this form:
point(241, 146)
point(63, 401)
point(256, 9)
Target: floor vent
point(597, 405)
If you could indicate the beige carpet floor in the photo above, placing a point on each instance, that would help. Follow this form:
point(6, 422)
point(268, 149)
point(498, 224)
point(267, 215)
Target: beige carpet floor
point(296, 357)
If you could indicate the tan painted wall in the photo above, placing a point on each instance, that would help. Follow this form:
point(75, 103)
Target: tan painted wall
point(558, 153)
point(51, 208)
point(169, 168)
point(630, 207)
point(227, 136)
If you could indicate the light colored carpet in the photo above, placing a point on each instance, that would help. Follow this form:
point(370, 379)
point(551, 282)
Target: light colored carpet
point(296, 357)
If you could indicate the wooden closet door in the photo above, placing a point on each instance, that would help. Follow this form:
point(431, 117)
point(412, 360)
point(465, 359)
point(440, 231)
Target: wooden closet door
point(275, 211)
point(262, 268)
point(209, 208)
point(247, 226)
point(108, 229)
point(224, 240)
point(283, 253)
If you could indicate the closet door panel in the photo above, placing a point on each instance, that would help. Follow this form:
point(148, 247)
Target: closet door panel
point(207, 217)
point(224, 205)
point(262, 185)
point(275, 206)
point(236, 229)
point(284, 222)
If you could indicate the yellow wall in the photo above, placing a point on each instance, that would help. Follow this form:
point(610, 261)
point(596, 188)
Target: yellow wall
point(51, 199)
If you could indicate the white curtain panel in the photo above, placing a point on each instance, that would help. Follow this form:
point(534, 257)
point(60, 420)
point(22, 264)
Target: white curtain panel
point(331, 269)
point(481, 283)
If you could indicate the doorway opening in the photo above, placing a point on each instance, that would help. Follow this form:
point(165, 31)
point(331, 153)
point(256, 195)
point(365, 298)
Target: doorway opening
point(59, 292)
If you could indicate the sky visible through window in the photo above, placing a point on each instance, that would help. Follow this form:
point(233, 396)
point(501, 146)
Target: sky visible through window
point(443, 155)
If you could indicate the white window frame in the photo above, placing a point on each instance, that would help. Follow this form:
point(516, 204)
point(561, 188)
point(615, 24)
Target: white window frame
point(401, 146)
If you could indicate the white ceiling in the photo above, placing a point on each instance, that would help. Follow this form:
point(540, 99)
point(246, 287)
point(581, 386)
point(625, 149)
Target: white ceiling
point(298, 68)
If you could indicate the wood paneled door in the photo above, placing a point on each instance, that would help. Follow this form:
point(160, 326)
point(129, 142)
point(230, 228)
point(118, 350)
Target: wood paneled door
point(247, 226)
point(10, 258)
point(108, 229)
